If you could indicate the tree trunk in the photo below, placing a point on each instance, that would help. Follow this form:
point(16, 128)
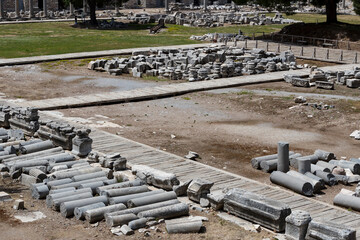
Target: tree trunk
point(331, 16)
point(92, 6)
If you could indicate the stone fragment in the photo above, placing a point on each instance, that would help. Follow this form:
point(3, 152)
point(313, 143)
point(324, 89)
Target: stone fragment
point(126, 230)
point(204, 202)
point(181, 189)
point(198, 188)
point(156, 177)
point(256, 208)
point(296, 224)
point(4, 197)
point(216, 200)
point(325, 230)
point(19, 204)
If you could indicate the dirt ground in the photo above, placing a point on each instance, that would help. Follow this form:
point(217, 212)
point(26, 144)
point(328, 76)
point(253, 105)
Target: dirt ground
point(227, 129)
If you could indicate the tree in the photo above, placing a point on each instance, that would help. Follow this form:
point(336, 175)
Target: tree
point(281, 4)
point(356, 6)
point(92, 6)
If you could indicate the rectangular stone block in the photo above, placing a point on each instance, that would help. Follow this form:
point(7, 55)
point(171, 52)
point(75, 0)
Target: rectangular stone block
point(325, 230)
point(324, 85)
point(299, 82)
point(256, 208)
point(353, 83)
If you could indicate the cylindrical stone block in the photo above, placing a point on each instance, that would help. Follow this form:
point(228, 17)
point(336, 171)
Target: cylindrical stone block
point(326, 165)
point(37, 174)
point(62, 190)
point(304, 166)
point(138, 223)
point(78, 184)
point(136, 182)
point(283, 157)
point(125, 199)
point(40, 192)
point(70, 174)
point(269, 166)
point(67, 208)
point(172, 211)
point(347, 201)
point(57, 202)
point(113, 221)
point(79, 212)
point(136, 202)
point(136, 210)
point(125, 191)
point(51, 197)
point(36, 147)
point(318, 168)
point(293, 183)
point(317, 186)
point(96, 215)
point(92, 185)
point(327, 177)
point(59, 182)
point(88, 176)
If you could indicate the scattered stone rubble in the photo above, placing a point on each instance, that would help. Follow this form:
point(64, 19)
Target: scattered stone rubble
point(197, 64)
point(198, 19)
point(326, 80)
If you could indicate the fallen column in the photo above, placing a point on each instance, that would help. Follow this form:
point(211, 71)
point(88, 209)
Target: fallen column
point(113, 221)
point(27, 169)
point(326, 230)
point(35, 155)
point(134, 183)
point(313, 176)
point(125, 191)
point(62, 157)
point(57, 202)
point(183, 226)
point(326, 165)
point(62, 190)
point(92, 185)
point(324, 155)
point(136, 210)
point(283, 157)
point(328, 178)
point(79, 212)
point(51, 197)
point(136, 202)
point(70, 174)
point(318, 168)
point(293, 183)
point(317, 186)
point(69, 164)
point(255, 208)
point(36, 147)
point(354, 167)
point(269, 166)
point(88, 176)
point(67, 208)
point(304, 166)
point(39, 192)
point(342, 179)
point(312, 158)
point(125, 199)
point(138, 223)
point(59, 182)
point(28, 180)
point(96, 215)
point(78, 184)
point(37, 174)
point(172, 211)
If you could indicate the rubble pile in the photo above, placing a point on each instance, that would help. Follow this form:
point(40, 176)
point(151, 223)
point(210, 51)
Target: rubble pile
point(26, 119)
point(197, 64)
point(326, 79)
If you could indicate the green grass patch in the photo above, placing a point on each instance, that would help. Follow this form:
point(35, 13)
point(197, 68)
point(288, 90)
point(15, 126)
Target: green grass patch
point(244, 92)
point(34, 39)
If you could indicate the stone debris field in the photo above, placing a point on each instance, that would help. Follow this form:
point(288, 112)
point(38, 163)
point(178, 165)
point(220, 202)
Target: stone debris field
point(198, 64)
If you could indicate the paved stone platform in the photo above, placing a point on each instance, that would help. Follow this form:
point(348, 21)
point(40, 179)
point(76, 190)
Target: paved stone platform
point(170, 90)
point(137, 153)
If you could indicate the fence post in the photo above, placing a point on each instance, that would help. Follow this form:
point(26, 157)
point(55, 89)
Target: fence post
point(256, 43)
point(253, 36)
point(327, 53)
point(267, 46)
point(278, 48)
point(302, 51)
point(336, 44)
point(314, 53)
point(235, 42)
point(290, 47)
point(348, 45)
point(355, 58)
point(341, 56)
point(245, 43)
